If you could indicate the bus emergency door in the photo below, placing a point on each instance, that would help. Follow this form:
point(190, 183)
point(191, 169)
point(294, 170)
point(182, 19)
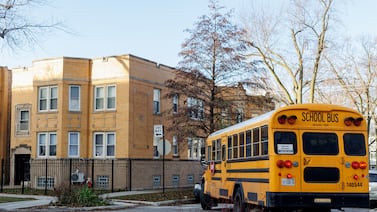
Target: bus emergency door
point(321, 163)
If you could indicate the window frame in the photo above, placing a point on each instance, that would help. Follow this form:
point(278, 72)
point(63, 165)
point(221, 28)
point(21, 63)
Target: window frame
point(47, 144)
point(104, 145)
point(156, 101)
point(48, 99)
point(104, 97)
point(71, 100)
point(70, 144)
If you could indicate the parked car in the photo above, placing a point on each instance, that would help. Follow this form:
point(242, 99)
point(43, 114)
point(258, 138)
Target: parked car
point(373, 187)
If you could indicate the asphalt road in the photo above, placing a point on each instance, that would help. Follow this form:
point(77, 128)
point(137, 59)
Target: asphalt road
point(221, 207)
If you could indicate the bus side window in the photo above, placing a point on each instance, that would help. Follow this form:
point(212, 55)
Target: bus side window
point(213, 150)
point(242, 145)
point(235, 146)
point(209, 153)
point(223, 152)
point(229, 147)
point(248, 143)
point(264, 134)
point(256, 141)
point(218, 149)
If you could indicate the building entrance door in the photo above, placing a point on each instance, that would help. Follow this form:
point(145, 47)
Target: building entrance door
point(21, 168)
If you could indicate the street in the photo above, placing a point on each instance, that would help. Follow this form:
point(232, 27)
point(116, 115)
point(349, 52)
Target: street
point(221, 207)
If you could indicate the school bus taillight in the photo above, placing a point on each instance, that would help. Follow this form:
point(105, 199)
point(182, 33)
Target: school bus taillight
point(361, 165)
point(281, 164)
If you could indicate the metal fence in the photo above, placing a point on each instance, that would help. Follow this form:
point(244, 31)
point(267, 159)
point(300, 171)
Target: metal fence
point(107, 174)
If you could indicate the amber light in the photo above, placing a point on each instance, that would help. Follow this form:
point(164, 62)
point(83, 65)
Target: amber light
point(363, 165)
point(292, 119)
point(348, 121)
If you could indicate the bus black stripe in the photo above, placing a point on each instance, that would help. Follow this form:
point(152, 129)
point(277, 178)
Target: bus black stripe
point(260, 170)
point(249, 180)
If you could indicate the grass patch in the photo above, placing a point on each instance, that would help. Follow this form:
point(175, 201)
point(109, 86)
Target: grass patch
point(13, 199)
point(157, 197)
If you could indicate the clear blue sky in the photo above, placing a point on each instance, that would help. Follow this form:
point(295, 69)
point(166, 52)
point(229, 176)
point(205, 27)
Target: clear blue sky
point(152, 29)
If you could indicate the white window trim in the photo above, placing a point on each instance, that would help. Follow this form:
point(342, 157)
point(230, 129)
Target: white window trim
point(104, 145)
point(105, 97)
point(78, 145)
point(70, 99)
point(47, 145)
point(48, 98)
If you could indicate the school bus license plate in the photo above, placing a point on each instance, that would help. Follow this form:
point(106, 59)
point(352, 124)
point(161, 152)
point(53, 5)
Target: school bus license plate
point(287, 181)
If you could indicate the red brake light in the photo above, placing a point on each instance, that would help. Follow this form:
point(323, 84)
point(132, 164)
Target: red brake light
point(348, 121)
point(288, 164)
point(355, 165)
point(357, 122)
point(289, 175)
point(292, 119)
point(280, 163)
point(363, 165)
point(355, 177)
point(282, 119)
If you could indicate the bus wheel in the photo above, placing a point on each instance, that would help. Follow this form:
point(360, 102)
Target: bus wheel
point(205, 200)
point(238, 204)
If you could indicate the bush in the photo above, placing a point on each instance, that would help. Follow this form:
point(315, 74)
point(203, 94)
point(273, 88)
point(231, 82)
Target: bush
point(78, 196)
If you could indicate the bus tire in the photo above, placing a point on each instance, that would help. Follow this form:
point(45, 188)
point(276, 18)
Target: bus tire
point(238, 204)
point(205, 200)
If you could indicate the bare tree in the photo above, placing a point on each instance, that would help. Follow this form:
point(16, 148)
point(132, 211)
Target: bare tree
point(291, 45)
point(355, 70)
point(212, 60)
point(17, 30)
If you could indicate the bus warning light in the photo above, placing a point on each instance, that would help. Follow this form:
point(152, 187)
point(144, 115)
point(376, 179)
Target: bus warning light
point(292, 119)
point(282, 119)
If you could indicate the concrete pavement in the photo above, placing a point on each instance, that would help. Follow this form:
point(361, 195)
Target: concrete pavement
point(40, 201)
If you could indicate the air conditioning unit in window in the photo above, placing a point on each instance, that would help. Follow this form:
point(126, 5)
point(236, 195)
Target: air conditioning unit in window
point(77, 177)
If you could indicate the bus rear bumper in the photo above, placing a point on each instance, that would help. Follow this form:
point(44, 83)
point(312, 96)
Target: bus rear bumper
point(317, 200)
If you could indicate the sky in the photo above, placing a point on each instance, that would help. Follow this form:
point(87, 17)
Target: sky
point(151, 29)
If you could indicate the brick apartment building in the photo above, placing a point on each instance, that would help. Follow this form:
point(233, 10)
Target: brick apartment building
point(102, 109)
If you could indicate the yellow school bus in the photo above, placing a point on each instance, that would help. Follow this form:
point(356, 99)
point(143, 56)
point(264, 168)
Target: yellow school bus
point(306, 157)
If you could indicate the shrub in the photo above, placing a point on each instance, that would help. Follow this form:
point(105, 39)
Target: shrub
point(77, 196)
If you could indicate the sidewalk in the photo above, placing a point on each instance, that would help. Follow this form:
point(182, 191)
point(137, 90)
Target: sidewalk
point(46, 200)
point(39, 200)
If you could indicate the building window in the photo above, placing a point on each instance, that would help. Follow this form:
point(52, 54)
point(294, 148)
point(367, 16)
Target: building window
point(73, 144)
point(193, 147)
point(105, 97)
point(74, 98)
point(175, 146)
point(175, 103)
point(43, 181)
point(104, 144)
point(48, 98)
point(47, 144)
point(156, 101)
point(23, 119)
point(196, 110)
